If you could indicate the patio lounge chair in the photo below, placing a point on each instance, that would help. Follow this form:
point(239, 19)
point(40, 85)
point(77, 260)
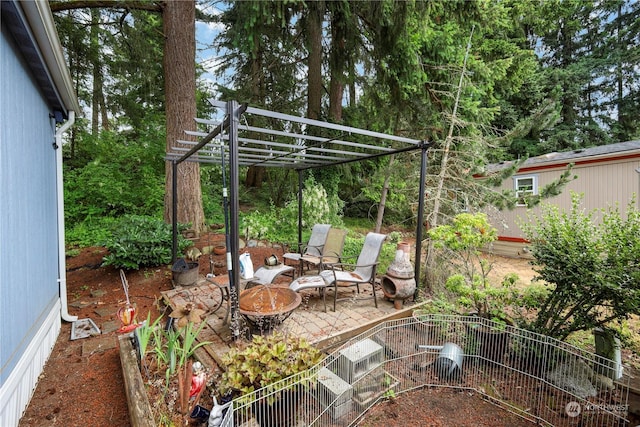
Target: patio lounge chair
point(331, 254)
point(331, 251)
point(364, 271)
point(313, 247)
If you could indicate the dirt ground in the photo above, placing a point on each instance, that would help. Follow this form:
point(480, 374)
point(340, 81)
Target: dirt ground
point(82, 381)
point(441, 407)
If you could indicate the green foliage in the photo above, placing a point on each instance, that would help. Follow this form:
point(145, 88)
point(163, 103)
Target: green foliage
point(142, 241)
point(266, 360)
point(318, 207)
point(120, 177)
point(92, 232)
point(145, 332)
point(280, 225)
point(188, 347)
point(170, 353)
point(259, 225)
point(462, 242)
point(212, 203)
point(592, 269)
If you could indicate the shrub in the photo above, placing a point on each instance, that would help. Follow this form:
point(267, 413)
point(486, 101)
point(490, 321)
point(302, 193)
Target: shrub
point(266, 360)
point(142, 241)
point(318, 207)
point(592, 270)
point(462, 241)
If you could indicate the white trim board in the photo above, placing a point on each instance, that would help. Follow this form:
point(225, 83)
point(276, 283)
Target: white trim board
point(16, 392)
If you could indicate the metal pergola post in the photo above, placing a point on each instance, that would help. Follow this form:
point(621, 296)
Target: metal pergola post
point(420, 225)
point(300, 185)
point(234, 207)
point(174, 180)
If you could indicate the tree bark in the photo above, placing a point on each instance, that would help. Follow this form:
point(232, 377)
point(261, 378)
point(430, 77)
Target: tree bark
point(180, 93)
point(255, 174)
point(314, 77)
point(337, 62)
point(383, 195)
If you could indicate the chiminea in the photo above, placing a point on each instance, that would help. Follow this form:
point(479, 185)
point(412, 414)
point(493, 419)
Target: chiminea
point(399, 281)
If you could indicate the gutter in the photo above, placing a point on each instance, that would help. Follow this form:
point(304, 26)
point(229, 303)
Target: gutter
point(62, 268)
point(41, 22)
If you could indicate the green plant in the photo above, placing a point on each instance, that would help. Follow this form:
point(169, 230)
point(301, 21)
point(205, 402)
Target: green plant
point(389, 384)
point(143, 334)
point(394, 237)
point(185, 363)
point(266, 360)
point(142, 241)
point(462, 240)
point(592, 268)
point(91, 232)
point(72, 252)
point(172, 354)
point(318, 207)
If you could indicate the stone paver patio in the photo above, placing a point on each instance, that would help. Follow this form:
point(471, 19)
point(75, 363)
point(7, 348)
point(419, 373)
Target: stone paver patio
point(325, 330)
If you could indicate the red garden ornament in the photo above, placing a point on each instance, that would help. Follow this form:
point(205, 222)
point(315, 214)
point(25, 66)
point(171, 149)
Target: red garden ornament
point(126, 314)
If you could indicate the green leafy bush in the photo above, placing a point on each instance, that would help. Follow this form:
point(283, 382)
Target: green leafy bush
point(89, 233)
point(142, 241)
point(318, 207)
point(592, 268)
point(266, 360)
point(125, 175)
point(280, 224)
point(462, 241)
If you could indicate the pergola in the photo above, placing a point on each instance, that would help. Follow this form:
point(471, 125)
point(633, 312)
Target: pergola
point(249, 136)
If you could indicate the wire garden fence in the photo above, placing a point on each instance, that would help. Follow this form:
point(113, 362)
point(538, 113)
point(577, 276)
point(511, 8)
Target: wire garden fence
point(543, 380)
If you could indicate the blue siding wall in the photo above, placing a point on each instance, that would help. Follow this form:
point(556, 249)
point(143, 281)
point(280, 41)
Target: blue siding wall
point(28, 233)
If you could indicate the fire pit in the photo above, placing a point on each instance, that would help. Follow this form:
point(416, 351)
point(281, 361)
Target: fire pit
point(265, 307)
point(399, 282)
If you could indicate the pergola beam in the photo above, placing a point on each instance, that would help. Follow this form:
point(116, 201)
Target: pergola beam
point(308, 151)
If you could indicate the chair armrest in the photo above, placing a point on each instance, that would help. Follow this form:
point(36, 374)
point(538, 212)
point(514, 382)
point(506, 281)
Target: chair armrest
point(318, 247)
point(324, 264)
point(342, 265)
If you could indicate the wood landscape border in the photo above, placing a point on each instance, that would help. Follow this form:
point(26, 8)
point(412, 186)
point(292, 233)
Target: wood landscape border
point(140, 413)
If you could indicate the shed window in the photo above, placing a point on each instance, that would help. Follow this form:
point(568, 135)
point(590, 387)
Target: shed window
point(525, 186)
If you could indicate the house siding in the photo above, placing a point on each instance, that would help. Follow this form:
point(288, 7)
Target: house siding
point(603, 181)
point(29, 292)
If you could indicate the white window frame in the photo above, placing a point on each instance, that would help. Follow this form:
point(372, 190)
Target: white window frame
point(519, 189)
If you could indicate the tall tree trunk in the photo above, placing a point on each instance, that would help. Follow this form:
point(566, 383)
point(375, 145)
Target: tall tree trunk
point(385, 191)
point(337, 64)
point(255, 174)
point(180, 93)
point(97, 71)
point(314, 34)
point(444, 169)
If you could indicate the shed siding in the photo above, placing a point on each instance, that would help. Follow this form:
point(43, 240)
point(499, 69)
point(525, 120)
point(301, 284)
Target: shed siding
point(28, 228)
point(603, 184)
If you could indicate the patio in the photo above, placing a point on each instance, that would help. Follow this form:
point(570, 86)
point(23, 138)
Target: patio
point(325, 330)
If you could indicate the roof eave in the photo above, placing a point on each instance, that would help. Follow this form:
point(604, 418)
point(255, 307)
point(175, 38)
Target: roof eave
point(40, 21)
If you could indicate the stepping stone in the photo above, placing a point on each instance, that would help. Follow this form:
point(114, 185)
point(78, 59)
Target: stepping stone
point(98, 345)
point(97, 293)
point(110, 326)
point(103, 311)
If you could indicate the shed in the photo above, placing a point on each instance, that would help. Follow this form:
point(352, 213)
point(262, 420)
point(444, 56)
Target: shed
point(607, 175)
point(37, 106)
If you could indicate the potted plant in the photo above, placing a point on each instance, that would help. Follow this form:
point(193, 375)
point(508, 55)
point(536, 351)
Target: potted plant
point(263, 362)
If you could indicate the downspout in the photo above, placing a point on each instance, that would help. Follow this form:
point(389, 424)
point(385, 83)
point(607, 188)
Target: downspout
point(62, 268)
